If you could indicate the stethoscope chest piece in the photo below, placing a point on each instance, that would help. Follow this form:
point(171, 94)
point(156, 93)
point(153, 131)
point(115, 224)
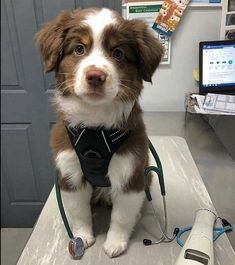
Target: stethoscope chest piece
point(76, 247)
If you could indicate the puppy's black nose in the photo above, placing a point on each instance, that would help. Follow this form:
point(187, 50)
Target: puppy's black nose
point(95, 77)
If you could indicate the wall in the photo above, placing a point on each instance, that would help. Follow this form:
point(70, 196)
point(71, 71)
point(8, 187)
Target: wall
point(172, 82)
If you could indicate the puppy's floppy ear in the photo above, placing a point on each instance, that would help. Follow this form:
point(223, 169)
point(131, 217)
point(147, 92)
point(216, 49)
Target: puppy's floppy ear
point(50, 39)
point(149, 49)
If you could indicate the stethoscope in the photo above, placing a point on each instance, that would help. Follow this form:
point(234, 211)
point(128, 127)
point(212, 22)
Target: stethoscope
point(76, 245)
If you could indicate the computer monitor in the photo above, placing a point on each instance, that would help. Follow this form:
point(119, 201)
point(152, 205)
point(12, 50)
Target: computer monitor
point(217, 67)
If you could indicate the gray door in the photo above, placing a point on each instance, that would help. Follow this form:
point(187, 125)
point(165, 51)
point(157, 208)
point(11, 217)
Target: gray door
point(26, 117)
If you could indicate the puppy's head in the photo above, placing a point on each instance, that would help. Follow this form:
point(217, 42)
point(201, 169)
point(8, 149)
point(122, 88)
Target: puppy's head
point(98, 56)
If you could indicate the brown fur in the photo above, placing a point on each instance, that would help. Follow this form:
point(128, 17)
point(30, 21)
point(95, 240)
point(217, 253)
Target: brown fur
point(64, 183)
point(59, 139)
point(143, 53)
point(52, 35)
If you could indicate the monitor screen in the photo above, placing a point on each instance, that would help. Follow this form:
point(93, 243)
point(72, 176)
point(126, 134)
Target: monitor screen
point(217, 67)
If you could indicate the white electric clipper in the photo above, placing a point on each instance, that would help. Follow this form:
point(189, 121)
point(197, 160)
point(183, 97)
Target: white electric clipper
point(198, 248)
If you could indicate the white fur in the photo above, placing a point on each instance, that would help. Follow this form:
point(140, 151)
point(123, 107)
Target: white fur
point(121, 167)
point(69, 165)
point(97, 22)
point(78, 112)
point(111, 87)
point(77, 204)
point(125, 213)
point(126, 206)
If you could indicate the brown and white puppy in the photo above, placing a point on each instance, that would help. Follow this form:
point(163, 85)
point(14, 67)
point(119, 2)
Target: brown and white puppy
point(100, 61)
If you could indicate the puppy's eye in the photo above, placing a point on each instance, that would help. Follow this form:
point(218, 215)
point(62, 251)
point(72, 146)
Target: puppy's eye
point(118, 54)
point(80, 49)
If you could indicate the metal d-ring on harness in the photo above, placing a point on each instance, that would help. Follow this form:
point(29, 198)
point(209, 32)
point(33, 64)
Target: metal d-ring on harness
point(76, 246)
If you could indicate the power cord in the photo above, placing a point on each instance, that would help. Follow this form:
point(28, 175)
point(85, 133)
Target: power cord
point(218, 231)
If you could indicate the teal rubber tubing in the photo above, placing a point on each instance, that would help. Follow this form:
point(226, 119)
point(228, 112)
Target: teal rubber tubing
point(219, 230)
point(158, 170)
point(61, 207)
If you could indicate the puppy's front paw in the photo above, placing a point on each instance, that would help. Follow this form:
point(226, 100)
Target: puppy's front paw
point(88, 240)
point(86, 236)
point(114, 248)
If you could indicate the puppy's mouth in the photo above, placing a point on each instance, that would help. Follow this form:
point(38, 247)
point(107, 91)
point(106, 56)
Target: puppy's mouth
point(94, 92)
point(95, 95)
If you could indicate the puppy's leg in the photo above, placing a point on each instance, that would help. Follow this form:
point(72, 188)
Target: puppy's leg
point(78, 205)
point(125, 212)
point(76, 195)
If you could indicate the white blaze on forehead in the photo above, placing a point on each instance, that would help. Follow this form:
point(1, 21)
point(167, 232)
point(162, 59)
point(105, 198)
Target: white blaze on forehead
point(98, 59)
point(98, 21)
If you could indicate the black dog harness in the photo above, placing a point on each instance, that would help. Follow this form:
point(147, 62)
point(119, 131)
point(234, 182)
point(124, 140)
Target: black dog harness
point(95, 148)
